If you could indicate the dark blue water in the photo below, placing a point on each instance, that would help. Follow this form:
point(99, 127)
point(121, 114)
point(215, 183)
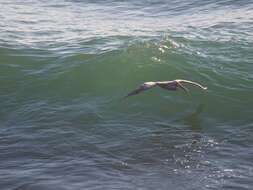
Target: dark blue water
point(65, 66)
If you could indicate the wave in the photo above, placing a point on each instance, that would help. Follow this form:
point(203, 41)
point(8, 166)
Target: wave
point(110, 73)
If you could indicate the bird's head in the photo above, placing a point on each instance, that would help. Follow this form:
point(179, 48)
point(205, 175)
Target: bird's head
point(148, 85)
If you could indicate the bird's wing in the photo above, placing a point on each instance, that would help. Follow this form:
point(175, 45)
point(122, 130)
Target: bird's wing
point(145, 86)
point(183, 87)
point(180, 81)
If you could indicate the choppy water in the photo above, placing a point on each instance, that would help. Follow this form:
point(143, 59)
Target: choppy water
point(65, 65)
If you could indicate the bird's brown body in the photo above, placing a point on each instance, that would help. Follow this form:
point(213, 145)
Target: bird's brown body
point(167, 85)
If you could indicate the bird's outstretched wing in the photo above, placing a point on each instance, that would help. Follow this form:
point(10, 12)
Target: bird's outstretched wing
point(181, 82)
point(183, 87)
point(145, 86)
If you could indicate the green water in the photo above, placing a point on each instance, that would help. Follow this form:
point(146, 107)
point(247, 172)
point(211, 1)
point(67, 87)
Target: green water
point(65, 66)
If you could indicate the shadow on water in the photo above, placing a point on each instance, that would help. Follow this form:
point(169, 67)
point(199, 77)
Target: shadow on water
point(193, 119)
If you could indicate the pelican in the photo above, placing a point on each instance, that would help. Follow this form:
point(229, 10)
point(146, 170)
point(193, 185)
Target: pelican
point(167, 85)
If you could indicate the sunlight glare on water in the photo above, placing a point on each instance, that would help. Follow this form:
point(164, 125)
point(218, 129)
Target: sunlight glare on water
point(65, 66)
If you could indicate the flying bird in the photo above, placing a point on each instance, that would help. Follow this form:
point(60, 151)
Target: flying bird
point(167, 85)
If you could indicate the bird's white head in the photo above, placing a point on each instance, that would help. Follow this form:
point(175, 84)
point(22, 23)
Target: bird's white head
point(148, 85)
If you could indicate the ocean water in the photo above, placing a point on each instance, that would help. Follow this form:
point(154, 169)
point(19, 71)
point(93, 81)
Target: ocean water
point(65, 66)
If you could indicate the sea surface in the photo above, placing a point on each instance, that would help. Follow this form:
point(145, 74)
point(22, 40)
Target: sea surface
point(66, 64)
